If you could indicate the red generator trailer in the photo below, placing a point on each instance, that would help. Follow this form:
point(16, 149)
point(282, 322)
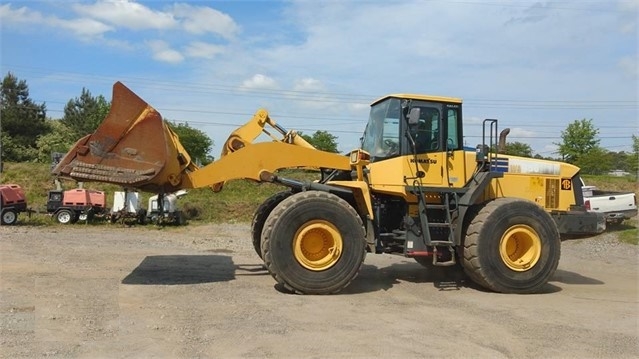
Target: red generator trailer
point(12, 202)
point(76, 204)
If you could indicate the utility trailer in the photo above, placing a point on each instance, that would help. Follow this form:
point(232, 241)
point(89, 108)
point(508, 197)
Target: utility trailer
point(12, 202)
point(75, 205)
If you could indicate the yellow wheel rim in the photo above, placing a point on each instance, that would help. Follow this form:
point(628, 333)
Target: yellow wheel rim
point(520, 248)
point(317, 245)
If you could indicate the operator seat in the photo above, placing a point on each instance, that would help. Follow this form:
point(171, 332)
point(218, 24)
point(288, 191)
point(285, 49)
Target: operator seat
point(422, 138)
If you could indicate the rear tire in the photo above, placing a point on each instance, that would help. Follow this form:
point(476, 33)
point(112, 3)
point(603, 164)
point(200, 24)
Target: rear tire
point(64, 216)
point(313, 243)
point(511, 246)
point(261, 214)
point(9, 216)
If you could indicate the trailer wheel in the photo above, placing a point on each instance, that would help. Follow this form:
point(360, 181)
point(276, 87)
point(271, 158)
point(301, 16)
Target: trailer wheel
point(261, 214)
point(313, 243)
point(141, 216)
point(64, 216)
point(511, 246)
point(9, 216)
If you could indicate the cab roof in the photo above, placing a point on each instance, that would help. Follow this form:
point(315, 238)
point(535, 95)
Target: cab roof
point(409, 96)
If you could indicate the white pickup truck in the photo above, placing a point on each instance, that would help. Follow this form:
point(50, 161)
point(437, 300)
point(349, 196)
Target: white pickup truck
point(616, 206)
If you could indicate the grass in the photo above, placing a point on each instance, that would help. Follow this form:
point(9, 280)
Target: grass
point(629, 233)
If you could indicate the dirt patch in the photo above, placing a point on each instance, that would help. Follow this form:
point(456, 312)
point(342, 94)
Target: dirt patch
point(201, 291)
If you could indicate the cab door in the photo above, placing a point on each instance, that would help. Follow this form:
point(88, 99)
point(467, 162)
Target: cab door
point(430, 155)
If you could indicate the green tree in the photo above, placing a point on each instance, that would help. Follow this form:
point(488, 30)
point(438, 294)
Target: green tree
point(596, 162)
point(633, 160)
point(619, 160)
point(579, 138)
point(22, 120)
point(59, 139)
point(518, 149)
point(195, 142)
point(322, 140)
point(83, 115)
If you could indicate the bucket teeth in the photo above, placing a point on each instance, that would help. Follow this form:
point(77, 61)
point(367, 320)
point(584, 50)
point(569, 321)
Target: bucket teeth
point(103, 173)
point(133, 147)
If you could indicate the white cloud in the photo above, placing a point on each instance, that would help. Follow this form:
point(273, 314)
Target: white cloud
point(549, 150)
point(359, 107)
point(203, 50)
point(127, 14)
point(163, 52)
point(82, 27)
point(521, 133)
point(628, 16)
point(630, 65)
point(259, 81)
point(21, 15)
point(473, 120)
point(309, 85)
point(202, 19)
point(93, 21)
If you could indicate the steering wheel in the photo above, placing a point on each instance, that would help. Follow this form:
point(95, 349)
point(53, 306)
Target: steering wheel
point(393, 147)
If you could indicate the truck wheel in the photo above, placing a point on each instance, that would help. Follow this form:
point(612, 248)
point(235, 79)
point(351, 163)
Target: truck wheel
point(313, 243)
point(9, 216)
point(261, 214)
point(64, 216)
point(511, 246)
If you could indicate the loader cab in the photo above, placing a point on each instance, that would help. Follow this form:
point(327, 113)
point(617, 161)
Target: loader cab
point(401, 125)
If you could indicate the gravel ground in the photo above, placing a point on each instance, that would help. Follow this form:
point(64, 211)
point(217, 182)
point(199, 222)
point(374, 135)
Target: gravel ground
point(200, 291)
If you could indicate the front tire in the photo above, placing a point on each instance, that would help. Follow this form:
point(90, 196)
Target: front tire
point(261, 214)
point(511, 246)
point(313, 243)
point(9, 216)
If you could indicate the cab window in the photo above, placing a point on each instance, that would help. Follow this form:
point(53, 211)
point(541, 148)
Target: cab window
point(427, 131)
point(453, 133)
point(381, 137)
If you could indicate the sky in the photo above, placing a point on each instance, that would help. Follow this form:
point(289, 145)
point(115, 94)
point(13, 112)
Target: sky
point(536, 66)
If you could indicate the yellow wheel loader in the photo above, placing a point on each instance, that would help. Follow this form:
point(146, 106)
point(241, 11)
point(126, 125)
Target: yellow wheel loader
point(411, 189)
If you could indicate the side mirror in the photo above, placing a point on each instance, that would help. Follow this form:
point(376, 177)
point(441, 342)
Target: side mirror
point(413, 116)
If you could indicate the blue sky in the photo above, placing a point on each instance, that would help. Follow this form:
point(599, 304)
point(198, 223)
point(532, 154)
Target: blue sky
point(536, 66)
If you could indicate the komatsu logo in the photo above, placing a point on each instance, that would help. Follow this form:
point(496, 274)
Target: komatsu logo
point(430, 161)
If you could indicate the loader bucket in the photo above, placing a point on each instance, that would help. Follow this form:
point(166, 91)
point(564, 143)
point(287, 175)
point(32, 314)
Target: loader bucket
point(133, 147)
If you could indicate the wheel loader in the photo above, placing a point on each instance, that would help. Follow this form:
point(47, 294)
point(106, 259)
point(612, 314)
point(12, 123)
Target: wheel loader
point(411, 189)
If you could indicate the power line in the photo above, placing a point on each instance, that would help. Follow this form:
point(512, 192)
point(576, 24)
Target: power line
point(335, 97)
point(348, 120)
